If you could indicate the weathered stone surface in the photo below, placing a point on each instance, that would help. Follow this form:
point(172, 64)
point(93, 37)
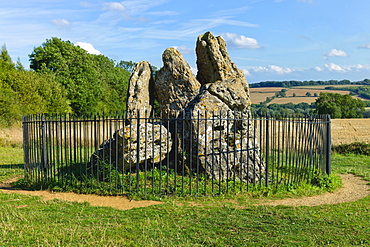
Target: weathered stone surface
point(140, 92)
point(214, 63)
point(135, 144)
point(224, 144)
point(175, 84)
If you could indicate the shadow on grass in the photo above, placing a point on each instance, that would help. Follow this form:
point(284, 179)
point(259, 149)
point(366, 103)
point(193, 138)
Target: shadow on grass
point(12, 166)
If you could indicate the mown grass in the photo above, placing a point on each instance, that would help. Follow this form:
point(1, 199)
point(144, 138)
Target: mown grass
point(204, 221)
point(11, 163)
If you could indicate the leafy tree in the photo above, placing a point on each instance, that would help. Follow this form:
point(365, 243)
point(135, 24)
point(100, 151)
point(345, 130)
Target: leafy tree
point(6, 63)
point(93, 82)
point(339, 106)
point(308, 94)
point(27, 92)
point(127, 65)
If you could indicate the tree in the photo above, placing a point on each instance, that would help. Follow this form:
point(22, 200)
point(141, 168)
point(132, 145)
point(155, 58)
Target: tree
point(127, 65)
point(93, 82)
point(6, 62)
point(339, 106)
point(308, 94)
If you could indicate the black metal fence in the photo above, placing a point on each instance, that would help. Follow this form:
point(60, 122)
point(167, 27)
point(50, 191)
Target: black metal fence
point(186, 155)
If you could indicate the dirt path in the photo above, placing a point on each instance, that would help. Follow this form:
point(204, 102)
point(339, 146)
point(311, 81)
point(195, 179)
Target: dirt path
point(354, 188)
point(118, 202)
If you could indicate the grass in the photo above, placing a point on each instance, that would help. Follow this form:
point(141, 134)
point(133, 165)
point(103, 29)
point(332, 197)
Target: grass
point(11, 163)
point(204, 221)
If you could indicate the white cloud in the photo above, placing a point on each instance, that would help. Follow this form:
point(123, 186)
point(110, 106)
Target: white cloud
point(334, 67)
point(272, 69)
point(246, 73)
point(88, 47)
point(364, 46)
point(183, 49)
point(114, 6)
point(318, 69)
point(61, 23)
point(334, 53)
point(342, 68)
point(240, 41)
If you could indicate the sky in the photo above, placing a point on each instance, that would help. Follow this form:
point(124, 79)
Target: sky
point(268, 39)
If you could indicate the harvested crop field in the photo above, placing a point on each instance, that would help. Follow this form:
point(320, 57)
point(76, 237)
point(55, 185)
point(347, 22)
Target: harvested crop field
point(294, 100)
point(256, 98)
point(303, 91)
point(260, 94)
point(345, 131)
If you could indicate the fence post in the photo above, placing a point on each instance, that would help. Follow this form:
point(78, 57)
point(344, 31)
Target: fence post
point(138, 151)
point(25, 146)
point(267, 148)
point(328, 144)
point(43, 146)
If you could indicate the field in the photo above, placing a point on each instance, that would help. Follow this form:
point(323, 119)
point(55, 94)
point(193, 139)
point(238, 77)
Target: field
point(258, 95)
point(238, 220)
point(345, 131)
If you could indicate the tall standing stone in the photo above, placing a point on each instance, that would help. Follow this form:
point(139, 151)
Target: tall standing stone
point(219, 132)
point(140, 91)
point(175, 83)
point(214, 63)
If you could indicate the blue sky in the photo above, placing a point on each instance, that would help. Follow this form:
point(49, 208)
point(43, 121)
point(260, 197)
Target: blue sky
point(267, 39)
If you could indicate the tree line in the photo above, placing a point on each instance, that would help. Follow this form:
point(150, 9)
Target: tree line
point(337, 105)
point(289, 84)
point(63, 78)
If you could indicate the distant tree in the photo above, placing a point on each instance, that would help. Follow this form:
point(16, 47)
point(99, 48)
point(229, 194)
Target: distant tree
point(315, 95)
point(4, 55)
point(19, 65)
point(339, 106)
point(294, 94)
point(6, 62)
point(308, 94)
point(127, 65)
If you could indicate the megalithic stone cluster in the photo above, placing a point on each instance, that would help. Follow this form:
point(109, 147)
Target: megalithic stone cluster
point(218, 92)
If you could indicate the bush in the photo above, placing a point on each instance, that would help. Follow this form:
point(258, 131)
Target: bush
point(353, 148)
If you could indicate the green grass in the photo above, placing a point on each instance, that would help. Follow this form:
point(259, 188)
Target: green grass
point(216, 221)
point(11, 163)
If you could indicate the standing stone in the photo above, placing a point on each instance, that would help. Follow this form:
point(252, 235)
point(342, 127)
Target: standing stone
point(175, 83)
point(214, 63)
point(140, 93)
point(219, 132)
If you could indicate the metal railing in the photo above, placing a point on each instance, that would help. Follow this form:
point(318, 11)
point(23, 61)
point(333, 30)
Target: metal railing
point(184, 156)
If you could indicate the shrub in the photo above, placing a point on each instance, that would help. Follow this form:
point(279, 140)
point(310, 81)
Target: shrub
point(353, 148)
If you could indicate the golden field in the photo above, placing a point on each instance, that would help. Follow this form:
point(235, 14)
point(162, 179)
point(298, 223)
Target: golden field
point(343, 131)
point(258, 95)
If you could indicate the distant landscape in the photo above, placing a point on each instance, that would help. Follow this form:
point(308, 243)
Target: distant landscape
point(294, 95)
point(300, 97)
